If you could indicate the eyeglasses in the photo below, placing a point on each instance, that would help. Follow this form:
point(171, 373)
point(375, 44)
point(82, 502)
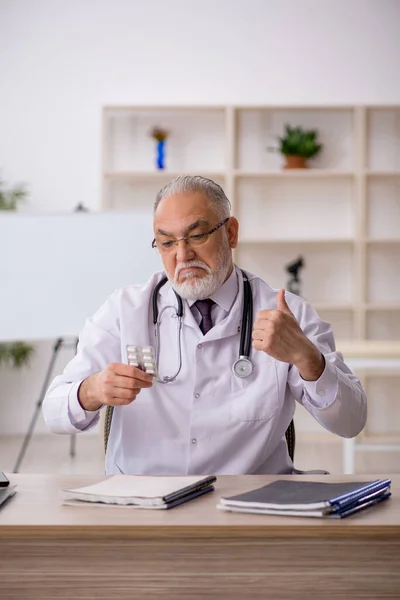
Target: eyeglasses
point(197, 239)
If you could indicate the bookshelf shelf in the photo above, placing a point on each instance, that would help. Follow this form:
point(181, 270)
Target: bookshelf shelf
point(383, 241)
point(332, 306)
point(137, 176)
point(296, 242)
point(383, 307)
point(294, 174)
point(389, 174)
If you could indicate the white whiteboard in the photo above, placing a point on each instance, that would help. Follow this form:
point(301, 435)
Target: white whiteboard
point(57, 270)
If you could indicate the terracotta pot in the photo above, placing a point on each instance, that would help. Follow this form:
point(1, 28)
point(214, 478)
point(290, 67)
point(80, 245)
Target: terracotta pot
point(295, 162)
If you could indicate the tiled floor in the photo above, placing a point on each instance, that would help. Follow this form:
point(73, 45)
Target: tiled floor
point(50, 454)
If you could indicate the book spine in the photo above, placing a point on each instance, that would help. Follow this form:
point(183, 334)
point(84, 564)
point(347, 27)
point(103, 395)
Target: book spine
point(352, 497)
point(189, 489)
point(354, 509)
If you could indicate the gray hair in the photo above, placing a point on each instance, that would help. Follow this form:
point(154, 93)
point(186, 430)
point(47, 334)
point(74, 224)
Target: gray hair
point(190, 184)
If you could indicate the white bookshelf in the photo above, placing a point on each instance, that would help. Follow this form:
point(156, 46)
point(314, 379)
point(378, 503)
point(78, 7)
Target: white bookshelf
point(342, 214)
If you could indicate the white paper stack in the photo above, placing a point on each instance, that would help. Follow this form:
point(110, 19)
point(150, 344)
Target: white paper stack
point(137, 491)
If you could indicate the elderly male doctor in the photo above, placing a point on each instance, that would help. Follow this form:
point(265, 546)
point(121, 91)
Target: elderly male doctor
point(207, 419)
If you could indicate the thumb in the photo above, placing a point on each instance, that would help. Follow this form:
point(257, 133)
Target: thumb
point(281, 302)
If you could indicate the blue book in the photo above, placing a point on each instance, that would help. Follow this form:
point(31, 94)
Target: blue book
point(375, 490)
point(309, 498)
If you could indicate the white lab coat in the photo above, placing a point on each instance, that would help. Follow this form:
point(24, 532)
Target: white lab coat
point(207, 420)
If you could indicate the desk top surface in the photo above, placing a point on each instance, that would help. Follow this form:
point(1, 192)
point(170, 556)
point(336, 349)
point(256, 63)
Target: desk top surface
point(37, 510)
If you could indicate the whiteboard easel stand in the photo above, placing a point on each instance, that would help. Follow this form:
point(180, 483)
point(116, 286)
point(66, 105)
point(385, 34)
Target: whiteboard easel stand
point(60, 342)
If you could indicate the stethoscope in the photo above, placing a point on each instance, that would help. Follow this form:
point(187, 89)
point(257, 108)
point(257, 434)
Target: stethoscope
point(242, 367)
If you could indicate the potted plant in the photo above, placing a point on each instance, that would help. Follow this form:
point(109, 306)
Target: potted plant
point(298, 145)
point(9, 198)
point(16, 354)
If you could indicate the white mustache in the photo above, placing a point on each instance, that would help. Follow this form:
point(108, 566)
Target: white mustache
point(191, 263)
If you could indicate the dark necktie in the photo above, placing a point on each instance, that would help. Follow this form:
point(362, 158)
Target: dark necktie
point(204, 308)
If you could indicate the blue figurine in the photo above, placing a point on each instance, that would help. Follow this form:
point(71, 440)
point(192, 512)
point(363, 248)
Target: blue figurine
point(160, 135)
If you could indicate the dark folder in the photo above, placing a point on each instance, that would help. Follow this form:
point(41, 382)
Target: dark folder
point(309, 498)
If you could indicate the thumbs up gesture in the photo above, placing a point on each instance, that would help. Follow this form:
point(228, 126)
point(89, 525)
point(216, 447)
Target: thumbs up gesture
point(277, 333)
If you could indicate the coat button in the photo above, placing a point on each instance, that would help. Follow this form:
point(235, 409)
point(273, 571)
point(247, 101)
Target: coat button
point(194, 441)
point(197, 395)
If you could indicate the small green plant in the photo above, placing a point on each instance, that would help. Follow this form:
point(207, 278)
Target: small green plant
point(10, 198)
point(299, 142)
point(16, 354)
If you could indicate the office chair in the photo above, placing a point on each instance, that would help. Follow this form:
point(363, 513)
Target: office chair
point(291, 440)
point(107, 425)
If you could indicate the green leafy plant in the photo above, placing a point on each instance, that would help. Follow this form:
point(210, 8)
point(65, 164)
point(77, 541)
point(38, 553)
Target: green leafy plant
point(10, 198)
point(299, 142)
point(16, 354)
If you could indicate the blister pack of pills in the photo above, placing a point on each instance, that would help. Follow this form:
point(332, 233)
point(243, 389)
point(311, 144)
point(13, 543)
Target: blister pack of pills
point(143, 358)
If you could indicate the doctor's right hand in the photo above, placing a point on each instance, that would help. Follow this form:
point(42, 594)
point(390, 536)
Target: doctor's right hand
point(117, 385)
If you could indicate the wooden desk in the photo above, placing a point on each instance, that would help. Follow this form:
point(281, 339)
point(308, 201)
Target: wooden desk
point(54, 552)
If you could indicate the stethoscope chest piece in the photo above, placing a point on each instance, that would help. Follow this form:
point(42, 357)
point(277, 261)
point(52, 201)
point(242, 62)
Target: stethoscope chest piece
point(242, 367)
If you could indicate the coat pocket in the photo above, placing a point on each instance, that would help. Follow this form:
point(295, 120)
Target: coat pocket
point(256, 398)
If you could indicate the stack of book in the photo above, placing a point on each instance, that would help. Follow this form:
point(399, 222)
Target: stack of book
point(309, 498)
point(138, 491)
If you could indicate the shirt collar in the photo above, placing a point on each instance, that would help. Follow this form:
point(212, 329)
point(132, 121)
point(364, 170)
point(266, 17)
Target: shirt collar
point(225, 295)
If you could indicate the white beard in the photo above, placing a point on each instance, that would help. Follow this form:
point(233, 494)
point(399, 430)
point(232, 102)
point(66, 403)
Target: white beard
point(199, 288)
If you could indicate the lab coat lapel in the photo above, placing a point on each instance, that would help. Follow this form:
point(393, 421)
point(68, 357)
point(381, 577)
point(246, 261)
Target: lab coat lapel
point(233, 321)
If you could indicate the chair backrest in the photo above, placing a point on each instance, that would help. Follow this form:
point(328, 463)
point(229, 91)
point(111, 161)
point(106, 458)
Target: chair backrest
point(107, 425)
point(289, 434)
point(290, 439)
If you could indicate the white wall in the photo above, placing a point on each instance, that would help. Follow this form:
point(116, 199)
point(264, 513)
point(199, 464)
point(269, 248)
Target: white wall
point(61, 61)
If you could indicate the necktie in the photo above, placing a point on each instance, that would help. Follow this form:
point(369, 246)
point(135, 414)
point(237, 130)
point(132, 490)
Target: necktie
point(204, 308)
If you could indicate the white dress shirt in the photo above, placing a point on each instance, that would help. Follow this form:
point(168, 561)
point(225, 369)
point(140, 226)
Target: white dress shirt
point(208, 420)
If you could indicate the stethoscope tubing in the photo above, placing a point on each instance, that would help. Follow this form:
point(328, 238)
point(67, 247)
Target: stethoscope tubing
point(245, 331)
